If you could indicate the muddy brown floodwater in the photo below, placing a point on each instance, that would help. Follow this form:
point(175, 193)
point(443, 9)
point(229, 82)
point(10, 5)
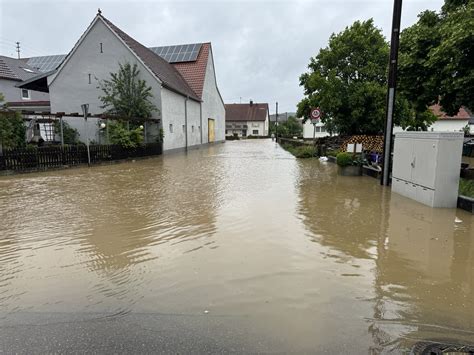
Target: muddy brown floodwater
point(267, 252)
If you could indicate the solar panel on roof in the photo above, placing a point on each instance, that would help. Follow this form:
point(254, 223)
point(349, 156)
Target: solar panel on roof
point(178, 53)
point(46, 63)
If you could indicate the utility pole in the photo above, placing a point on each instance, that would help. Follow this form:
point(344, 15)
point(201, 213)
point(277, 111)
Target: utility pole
point(392, 85)
point(276, 122)
point(18, 49)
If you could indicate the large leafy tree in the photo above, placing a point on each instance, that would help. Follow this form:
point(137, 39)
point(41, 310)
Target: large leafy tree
point(127, 96)
point(436, 58)
point(348, 81)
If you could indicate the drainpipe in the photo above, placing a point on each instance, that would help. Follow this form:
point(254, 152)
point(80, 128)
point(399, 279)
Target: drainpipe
point(186, 121)
point(200, 119)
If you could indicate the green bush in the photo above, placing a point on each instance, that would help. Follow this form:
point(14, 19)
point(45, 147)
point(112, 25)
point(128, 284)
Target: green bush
point(121, 135)
point(300, 151)
point(12, 130)
point(344, 159)
point(71, 136)
point(466, 187)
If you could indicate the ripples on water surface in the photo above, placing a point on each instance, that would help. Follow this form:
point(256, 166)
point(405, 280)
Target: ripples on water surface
point(282, 249)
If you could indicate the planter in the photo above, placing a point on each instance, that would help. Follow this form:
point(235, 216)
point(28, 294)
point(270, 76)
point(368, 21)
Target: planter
point(350, 170)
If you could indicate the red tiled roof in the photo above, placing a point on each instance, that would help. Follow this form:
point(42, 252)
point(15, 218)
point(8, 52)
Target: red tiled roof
point(246, 112)
point(195, 72)
point(463, 113)
point(168, 74)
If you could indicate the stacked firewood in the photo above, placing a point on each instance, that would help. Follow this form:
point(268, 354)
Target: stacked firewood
point(369, 143)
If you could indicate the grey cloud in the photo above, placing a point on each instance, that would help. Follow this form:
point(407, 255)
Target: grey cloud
point(260, 47)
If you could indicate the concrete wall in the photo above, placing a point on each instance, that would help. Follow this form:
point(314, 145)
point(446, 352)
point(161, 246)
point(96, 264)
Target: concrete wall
point(13, 94)
point(212, 106)
point(308, 130)
point(175, 109)
point(70, 87)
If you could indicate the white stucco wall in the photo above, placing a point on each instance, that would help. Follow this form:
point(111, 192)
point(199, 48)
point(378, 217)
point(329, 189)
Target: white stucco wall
point(70, 87)
point(308, 130)
point(174, 112)
point(13, 94)
point(238, 126)
point(442, 126)
point(212, 105)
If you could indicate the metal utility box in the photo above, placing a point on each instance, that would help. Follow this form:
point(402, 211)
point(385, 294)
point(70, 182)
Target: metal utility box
point(426, 167)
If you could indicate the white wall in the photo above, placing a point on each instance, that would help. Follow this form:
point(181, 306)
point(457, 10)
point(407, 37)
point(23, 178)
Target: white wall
point(308, 130)
point(212, 106)
point(13, 94)
point(70, 87)
point(442, 126)
point(261, 126)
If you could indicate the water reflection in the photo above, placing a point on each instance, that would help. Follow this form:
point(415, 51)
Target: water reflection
point(422, 259)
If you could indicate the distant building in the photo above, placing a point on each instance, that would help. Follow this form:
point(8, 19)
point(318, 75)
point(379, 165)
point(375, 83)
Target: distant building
point(183, 81)
point(446, 123)
point(319, 130)
point(250, 119)
point(14, 72)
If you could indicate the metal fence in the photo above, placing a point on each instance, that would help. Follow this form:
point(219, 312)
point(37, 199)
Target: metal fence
point(41, 158)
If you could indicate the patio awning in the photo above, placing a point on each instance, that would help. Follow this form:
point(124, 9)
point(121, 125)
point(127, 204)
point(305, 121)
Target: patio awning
point(37, 83)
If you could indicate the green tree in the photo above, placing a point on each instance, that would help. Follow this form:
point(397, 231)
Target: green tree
point(127, 96)
point(70, 135)
point(348, 81)
point(12, 130)
point(128, 137)
point(436, 58)
point(290, 128)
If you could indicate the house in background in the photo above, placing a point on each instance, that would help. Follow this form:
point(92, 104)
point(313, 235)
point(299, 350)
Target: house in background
point(317, 131)
point(244, 120)
point(14, 72)
point(183, 81)
point(447, 123)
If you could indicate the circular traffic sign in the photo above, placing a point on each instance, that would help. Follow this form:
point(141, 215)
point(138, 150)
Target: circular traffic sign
point(315, 113)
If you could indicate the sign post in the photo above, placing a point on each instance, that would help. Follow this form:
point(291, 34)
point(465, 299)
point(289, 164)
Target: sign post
point(315, 118)
point(85, 111)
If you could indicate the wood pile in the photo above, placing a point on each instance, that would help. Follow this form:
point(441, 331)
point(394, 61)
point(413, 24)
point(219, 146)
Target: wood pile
point(369, 143)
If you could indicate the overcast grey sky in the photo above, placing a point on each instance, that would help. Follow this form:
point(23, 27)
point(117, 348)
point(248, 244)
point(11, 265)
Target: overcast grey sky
point(260, 47)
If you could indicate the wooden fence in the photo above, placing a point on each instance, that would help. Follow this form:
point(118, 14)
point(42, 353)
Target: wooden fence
point(28, 159)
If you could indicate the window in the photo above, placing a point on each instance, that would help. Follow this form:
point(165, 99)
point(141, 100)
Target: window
point(90, 79)
point(184, 128)
point(101, 48)
point(226, 131)
point(318, 129)
point(255, 131)
point(25, 94)
point(192, 128)
point(323, 128)
point(171, 128)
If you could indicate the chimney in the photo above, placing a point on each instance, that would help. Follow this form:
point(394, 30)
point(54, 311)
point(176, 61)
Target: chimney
point(251, 102)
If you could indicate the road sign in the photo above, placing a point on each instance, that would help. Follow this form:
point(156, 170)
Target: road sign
point(315, 115)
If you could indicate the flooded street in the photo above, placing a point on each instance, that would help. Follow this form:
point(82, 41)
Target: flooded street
point(238, 245)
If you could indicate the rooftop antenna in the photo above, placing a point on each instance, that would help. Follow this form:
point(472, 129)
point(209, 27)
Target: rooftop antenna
point(18, 49)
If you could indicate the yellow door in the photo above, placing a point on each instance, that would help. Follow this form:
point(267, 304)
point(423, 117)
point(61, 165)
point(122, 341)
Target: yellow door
point(211, 128)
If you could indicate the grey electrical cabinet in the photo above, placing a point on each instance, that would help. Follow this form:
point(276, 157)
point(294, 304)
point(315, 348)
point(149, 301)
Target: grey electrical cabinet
point(426, 167)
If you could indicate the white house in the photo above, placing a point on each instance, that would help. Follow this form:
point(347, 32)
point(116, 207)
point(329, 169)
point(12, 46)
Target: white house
point(446, 123)
point(317, 131)
point(250, 119)
point(13, 72)
point(190, 108)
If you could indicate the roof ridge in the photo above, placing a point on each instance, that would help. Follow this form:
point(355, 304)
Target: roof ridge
point(142, 51)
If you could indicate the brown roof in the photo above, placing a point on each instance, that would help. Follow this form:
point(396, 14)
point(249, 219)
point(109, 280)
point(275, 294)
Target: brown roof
point(463, 113)
point(27, 103)
point(195, 72)
point(246, 112)
point(169, 75)
point(16, 69)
